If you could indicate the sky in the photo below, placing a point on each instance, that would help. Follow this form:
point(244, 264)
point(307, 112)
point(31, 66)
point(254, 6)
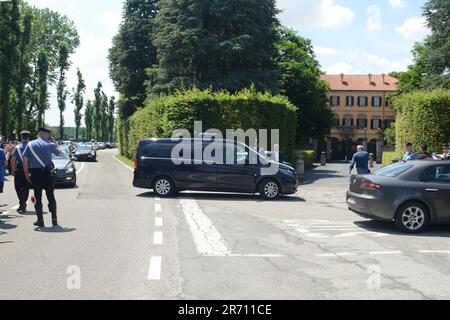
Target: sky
point(349, 36)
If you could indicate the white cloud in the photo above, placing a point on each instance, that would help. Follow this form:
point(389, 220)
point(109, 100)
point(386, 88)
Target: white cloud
point(397, 3)
point(340, 67)
point(111, 19)
point(333, 16)
point(323, 14)
point(374, 20)
point(325, 52)
point(414, 28)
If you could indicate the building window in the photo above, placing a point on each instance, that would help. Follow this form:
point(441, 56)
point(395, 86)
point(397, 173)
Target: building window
point(377, 101)
point(335, 101)
point(348, 122)
point(388, 123)
point(363, 101)
point(386, 103)
point(376, 124)
point(350, 101)
point(361, 123)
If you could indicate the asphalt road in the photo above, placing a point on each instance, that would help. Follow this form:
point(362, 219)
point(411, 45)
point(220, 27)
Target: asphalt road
point(118, 242)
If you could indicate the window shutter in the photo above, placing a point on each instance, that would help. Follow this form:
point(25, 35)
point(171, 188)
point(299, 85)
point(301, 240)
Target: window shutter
point(338, 101)
point(371, 124)
point(351, 122)
point(358, 123)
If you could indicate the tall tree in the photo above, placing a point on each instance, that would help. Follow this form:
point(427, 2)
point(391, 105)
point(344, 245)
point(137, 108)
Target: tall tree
point(111, 120)
point(132, 53)
point(98, 114)
point(437, 45)
point(104, 111)
point(89, 119)
point(62, 93)
point(78, 100)
point(9, 58)
point(300, 82)
point(42, 87)
point(223, 44)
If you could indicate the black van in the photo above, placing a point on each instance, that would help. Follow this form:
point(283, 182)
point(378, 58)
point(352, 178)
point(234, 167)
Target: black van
point(157, 169)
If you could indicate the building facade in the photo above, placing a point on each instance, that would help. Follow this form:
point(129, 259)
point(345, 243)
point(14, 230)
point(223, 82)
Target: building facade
point(361, 108)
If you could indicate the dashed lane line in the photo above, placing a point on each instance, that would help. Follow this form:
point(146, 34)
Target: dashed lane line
point(158, 238)
point(159, 222)
point(154, 272)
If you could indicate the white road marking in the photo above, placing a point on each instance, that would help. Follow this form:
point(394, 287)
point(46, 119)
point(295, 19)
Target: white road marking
point(158, 221)
point(207, 239)
point(158, 238)
point(157, 199)
point(338, 254)
point(123, 164)
point(380, 253)
point(15, 207)
point(435, 251)
point(154, 272)
point(81, 169)
point(158, 208)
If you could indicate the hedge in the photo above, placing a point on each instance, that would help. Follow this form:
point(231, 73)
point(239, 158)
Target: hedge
point(389, 156)
point(219, 110)
point(423, 117)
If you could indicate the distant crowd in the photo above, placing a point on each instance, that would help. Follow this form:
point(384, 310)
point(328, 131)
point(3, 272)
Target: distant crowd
point(424, 154)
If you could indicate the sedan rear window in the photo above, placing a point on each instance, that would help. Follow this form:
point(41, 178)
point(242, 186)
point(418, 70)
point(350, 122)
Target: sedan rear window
point(393, 170)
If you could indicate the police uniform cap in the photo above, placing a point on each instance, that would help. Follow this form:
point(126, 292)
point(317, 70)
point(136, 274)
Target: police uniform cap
point(47, 130)
point(25, 132)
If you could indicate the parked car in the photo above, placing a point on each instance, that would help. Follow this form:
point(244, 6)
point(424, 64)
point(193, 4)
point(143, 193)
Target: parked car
point(412, 194)
point(155, 169)
point(65, 171)
point(85, 152)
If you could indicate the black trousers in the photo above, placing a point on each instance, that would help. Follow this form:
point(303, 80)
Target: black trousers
point(43, 180)
point(22, 187)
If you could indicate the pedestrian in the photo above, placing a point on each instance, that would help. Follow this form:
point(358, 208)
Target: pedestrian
point(424, 155)
point(446, 150)
point(409, 155)
point(2, 172)
point(20, 181)
point(361, 161)
point(38, 168)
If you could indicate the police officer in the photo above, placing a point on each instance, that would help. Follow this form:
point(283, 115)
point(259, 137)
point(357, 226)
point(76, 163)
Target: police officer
point(38, 168)
point(20, 181)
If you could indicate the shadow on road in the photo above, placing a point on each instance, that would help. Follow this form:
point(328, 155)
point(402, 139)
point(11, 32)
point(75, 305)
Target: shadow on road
point(57, 229)
point(224, 197)
point(316, 175)
point(441, 230)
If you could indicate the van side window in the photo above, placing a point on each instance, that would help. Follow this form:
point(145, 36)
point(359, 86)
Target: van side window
point(150, 150)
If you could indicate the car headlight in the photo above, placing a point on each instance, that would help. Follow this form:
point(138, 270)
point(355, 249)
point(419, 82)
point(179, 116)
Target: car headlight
point(70, 170)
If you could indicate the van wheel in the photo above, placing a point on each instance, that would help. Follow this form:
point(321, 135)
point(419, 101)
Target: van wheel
point(164, 187)
point(412, 217)
point(269, 189)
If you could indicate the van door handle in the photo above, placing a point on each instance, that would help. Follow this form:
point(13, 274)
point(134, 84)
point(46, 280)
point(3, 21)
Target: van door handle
point(432, 190)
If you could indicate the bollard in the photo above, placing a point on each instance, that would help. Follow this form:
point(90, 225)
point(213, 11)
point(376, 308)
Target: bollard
point(323, 159)
point(300, 167)
point(371, 160)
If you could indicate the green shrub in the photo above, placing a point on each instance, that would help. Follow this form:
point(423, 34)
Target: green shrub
point(389, 156)
point(423, 117)
point(308, 157)
point(245, 110)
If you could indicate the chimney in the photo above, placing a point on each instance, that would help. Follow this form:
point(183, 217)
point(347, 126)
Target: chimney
point(370, 78)
point(384, 78)
point(342, 78)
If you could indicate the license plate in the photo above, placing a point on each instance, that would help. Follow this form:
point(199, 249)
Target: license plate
point(351, 201)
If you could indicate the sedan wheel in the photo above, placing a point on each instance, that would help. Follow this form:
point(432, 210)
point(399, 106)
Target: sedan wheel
point(164, 187)
point(412, 218)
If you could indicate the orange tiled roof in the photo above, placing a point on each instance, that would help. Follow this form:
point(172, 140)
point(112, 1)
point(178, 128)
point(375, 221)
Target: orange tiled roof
point(360, 82)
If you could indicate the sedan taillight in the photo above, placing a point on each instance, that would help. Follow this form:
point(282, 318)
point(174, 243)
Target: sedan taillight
point(135, 165)
point(370, 186)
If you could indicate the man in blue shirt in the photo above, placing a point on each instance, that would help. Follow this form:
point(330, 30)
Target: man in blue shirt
point(38, 169)
point(361, 161)
point(20, 181)
point(409, 154)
